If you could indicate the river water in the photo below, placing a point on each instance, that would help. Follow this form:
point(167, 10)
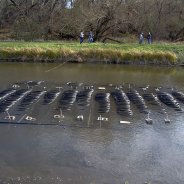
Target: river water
point(68, 151)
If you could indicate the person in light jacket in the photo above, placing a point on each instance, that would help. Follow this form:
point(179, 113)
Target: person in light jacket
point(141, 38)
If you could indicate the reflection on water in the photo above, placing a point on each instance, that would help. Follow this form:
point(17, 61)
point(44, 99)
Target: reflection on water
point(114, 153)
point(140, 75)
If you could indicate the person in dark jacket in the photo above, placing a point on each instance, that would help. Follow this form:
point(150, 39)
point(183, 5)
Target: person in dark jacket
point(90, 38)
point(149, 38)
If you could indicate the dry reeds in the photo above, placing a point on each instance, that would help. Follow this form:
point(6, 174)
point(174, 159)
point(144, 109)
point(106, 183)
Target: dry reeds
point(112, 55)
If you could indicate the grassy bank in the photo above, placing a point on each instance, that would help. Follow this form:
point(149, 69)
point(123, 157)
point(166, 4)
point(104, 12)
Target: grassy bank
point(159, 53)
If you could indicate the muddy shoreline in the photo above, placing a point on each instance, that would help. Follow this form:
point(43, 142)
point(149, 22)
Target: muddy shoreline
point(92, 61)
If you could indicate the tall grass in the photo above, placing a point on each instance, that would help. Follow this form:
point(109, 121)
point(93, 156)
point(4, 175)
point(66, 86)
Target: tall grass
point(118, 53)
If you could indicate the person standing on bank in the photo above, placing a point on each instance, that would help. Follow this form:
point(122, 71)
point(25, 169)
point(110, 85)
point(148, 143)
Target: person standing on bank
point(141, 38)
point(81, 37)
point(149, 38)
point(90, 38)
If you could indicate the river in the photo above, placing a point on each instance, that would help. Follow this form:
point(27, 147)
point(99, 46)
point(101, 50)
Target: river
point(50, 151)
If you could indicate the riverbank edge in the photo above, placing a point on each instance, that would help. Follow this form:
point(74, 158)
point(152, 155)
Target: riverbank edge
point(90, 61)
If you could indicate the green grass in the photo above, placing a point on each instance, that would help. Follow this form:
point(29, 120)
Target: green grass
point(158, 53)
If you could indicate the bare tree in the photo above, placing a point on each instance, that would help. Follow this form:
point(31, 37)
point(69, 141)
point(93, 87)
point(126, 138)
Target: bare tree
point(108, 19)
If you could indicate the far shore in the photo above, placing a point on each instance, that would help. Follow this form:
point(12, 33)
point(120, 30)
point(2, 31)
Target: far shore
point(169, 54)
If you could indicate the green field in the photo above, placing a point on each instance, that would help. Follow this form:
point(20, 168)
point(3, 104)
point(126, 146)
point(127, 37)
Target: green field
point(157, 53)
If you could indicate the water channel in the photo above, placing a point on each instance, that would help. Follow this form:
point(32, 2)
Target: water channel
point(48, 149)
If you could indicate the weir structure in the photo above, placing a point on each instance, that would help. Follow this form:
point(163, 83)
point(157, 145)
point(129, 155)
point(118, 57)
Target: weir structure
point(88, 105)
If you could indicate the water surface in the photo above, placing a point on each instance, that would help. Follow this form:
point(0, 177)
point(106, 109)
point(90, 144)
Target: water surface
point(106, 153)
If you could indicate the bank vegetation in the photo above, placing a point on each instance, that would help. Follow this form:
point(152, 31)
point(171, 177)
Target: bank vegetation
point(160, 53)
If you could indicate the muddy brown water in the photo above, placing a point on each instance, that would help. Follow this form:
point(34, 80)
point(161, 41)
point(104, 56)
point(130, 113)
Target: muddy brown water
point(70, 151)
